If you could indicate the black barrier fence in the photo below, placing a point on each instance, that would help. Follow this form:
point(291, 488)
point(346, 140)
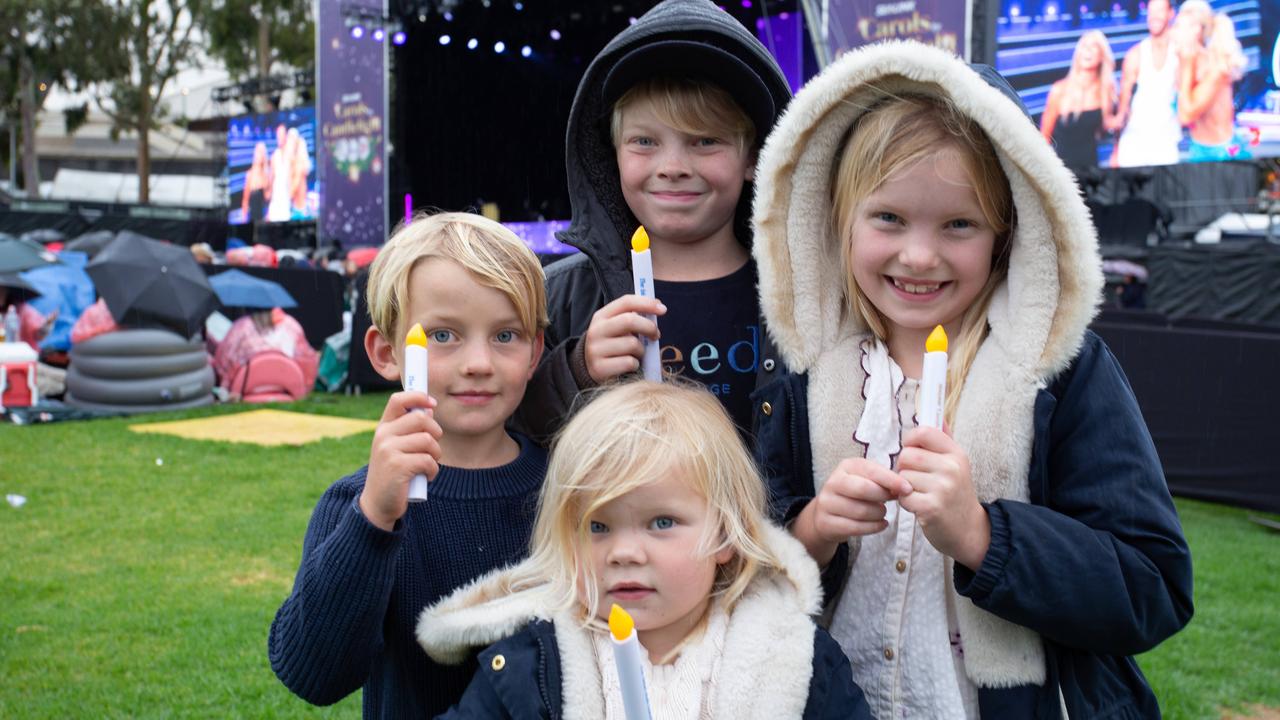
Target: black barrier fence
point(1237, 281)
point(181, 226)
point(1208, 392)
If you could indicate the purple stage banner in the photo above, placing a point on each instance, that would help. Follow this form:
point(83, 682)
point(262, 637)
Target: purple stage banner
point(351, 113)
point(838, 26)
point(783, 34)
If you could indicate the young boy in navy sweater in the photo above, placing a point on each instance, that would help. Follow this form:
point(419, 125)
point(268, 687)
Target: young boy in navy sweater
point(371, 560)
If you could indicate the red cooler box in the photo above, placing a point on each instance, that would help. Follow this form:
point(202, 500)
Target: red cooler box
point(17, 375)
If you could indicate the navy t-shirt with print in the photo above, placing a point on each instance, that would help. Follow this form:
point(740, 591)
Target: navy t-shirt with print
point(711, 333)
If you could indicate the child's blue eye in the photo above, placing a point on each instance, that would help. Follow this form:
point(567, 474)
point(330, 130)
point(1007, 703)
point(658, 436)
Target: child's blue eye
point(642, 141)
point(441, 336)
point(708, 141)
point(887, 217)
point(962, 224)
point(505, 336)
point(663, 523)
point(598, 527)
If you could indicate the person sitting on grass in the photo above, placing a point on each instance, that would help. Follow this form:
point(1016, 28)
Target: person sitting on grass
point(262, 331)
point(372, 561)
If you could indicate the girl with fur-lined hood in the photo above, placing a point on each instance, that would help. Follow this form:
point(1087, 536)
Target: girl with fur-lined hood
point(1011, 565)
point(651, 503)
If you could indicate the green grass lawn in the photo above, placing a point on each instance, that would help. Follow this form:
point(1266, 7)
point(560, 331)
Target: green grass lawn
point(132, 589)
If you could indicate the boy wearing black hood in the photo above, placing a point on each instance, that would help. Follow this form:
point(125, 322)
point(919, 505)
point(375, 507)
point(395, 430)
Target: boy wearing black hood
point(663, 133)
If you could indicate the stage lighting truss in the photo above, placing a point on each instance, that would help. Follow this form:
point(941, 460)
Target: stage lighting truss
point(264, 86)
point(369, 22)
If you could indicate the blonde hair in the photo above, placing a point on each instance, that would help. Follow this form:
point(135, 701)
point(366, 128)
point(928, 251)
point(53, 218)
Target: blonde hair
point(628, 436)
point(1223, 41)
point(1202, 13)
point(490, 252)
point(1073, 99)
point(895, 133)
point(689, 106)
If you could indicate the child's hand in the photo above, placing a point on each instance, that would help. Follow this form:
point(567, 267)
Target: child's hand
point(850, 504)
point(405, 444)
point(942, 497)
point(612, 346)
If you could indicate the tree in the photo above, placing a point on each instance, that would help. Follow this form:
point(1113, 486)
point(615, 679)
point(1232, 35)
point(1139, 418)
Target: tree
point(47, 43)
point(155, 42)
point(251, 37)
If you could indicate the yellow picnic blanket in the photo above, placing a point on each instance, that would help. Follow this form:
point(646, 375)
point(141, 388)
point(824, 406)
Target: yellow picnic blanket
point(262, 427)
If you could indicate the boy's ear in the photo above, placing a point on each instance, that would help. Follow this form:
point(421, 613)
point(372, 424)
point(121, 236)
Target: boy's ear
point(751, 165)
point(539, 344)
point(382, 354)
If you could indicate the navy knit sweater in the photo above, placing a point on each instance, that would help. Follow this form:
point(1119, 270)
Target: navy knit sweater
point(350, 619)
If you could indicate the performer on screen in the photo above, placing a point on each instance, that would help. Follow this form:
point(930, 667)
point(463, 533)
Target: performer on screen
point(1149, 117)
point(257, 183)
point(296, 146)
point(1211, 61)
point(281, 178)
point(1081, 106)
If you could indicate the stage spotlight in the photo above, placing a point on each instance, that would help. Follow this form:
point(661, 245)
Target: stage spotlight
point(448, 17)
point(1015, 10)
point(499, 47)
point(555, 34)
point(472, 44)
point(445, 39)
point(1051, 11)
point(357, 31)
point(422, 18)
point(378, 34)
point(526, 51)
point(398, 37)
point(519, 6)
point(746, 3)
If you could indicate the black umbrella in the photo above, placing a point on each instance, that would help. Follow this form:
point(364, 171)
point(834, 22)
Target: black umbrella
point(44, 236)
point(19, 290)
point(147, 283)
point(91, 243)
point(17, 255)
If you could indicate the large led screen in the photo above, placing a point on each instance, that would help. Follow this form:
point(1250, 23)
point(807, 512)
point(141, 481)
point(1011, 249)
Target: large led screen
point(271, 173)
point(1133, 84)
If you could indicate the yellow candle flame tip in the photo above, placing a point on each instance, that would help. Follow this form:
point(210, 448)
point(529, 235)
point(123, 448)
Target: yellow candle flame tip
point(937, 341)
point(416, 336)
point(620, 623)
point(640, 240)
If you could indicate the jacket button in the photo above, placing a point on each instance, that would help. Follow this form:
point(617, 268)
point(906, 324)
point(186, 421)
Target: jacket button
point(498, 663)
point(900, 566)
point(766, 408)
point(888, 654)
point(768, 365)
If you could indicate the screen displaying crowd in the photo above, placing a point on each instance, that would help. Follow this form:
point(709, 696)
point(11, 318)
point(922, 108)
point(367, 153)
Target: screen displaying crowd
point(271, 170)
point(1132, 84)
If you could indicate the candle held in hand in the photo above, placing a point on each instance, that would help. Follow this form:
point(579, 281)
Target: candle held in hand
point(642, 277)
point(933, 380)
point(626, 654)
point(415, 378)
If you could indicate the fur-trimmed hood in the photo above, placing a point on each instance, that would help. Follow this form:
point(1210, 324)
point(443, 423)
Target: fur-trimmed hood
point(768, 655)
point(1038, 315)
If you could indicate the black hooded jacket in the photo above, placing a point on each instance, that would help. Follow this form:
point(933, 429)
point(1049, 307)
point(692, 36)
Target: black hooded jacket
point(602, 223)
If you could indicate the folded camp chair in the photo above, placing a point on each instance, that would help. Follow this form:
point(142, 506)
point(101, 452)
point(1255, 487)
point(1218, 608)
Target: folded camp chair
point(269, 377)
